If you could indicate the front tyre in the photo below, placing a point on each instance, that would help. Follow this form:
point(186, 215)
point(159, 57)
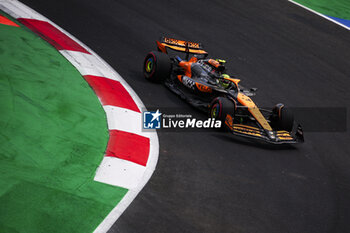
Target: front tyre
point(222, 108)
point(283, 118)
point(156, 66)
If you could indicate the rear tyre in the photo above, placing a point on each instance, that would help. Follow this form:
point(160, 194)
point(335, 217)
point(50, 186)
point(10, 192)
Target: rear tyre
point(156, 66)
point(283, 118)
point(220, 108)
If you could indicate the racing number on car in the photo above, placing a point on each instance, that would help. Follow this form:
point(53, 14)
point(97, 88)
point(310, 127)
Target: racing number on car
point(188, 82)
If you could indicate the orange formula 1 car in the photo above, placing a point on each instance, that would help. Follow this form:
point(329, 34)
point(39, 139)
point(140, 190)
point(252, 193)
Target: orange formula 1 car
point(203, 83)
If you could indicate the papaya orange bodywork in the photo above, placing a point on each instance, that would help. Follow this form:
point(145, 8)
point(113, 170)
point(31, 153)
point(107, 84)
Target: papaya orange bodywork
point(186, 65)
point(181, 43)
point(182, 49)
point(179, 77)
point(214, 63)
point(234, 80)
point(203, 88)
point(254, 110)
point(161, 47)
point(229, 121)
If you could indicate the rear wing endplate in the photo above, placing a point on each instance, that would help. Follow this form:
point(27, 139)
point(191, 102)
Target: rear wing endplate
point(180, 46)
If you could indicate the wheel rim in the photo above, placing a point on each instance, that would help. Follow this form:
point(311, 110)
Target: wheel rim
point(215, 111)
point(149, 65)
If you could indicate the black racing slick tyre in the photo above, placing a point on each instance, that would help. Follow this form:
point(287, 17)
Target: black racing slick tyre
point(220, 108)
point(156, 66)
point(283, 118)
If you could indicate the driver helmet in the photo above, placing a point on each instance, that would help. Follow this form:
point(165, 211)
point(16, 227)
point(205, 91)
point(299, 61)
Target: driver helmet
point(225, 83)
point(225, 76)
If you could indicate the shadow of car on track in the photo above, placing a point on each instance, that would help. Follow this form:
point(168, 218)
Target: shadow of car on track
point(253, 142)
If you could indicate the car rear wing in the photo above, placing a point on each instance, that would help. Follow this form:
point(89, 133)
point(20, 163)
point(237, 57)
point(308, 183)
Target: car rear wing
point(180, 46)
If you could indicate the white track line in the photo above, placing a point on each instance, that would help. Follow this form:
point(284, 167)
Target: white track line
point(317, 13)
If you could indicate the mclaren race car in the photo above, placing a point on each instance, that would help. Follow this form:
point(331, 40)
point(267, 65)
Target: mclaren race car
point(204, 83)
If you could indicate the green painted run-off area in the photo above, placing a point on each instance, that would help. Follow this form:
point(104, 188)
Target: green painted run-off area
point(53, 137)
point(334, 8)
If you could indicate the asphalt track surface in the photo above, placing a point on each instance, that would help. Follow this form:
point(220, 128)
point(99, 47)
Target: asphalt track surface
point(208, 181)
